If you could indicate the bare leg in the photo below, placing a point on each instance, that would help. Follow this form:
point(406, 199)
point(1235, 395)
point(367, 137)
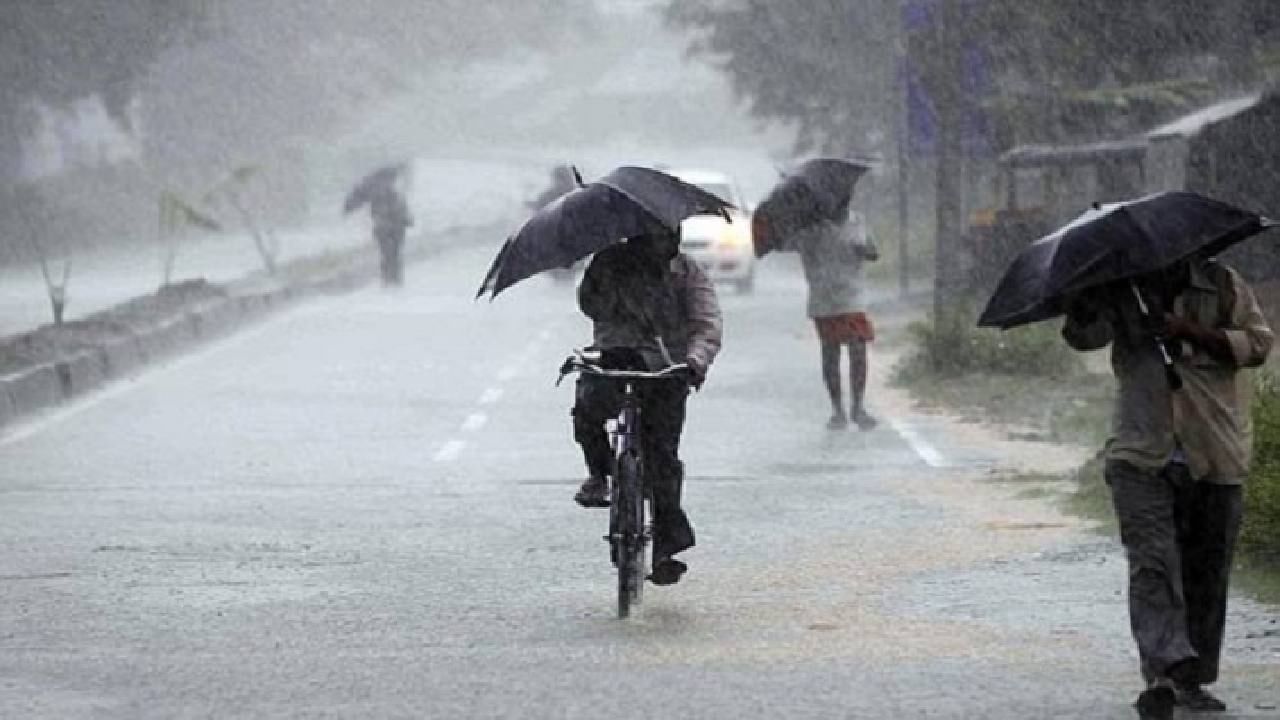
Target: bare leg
point(831, 376)
point(858, 384)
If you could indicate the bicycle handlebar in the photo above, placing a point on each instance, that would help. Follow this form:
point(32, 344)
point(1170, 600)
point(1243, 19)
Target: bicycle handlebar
point(579, 363)
point(663, 374)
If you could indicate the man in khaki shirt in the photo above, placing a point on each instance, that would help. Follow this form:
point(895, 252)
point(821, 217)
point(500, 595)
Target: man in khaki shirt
point(1177, 460)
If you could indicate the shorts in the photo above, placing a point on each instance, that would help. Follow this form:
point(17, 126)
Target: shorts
point(846, 328)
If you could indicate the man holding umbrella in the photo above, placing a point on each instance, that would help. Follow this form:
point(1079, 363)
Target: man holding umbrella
point(650, 307)
point(382, 191)
point(646, 296)
point(1140, 277)
point(1177, 462)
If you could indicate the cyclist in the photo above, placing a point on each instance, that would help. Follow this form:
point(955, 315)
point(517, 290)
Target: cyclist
point(647, 300)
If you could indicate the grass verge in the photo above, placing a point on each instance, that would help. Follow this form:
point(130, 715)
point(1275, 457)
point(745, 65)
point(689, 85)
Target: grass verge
point(1030, 381)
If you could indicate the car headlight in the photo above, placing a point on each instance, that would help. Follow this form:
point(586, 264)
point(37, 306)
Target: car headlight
point(735, 235)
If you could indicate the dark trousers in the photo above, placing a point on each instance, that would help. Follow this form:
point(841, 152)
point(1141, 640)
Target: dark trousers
point(1179, 536)
point(662, 409)
point(391, 249)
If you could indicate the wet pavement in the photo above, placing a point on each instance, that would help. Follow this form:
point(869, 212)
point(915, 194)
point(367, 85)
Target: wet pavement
point(362, 508)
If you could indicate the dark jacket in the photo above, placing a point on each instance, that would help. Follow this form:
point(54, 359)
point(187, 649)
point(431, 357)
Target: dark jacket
point(632, 298)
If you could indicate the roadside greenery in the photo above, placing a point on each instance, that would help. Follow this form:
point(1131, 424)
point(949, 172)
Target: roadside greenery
point(957, 348)
point(1261, 534)
point(1028, 378)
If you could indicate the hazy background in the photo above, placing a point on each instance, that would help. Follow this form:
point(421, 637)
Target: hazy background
point(109, 103)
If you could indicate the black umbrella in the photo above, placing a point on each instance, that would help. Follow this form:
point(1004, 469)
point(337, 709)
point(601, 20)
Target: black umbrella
point(1114, 243)
point(628, 201)
point(803, 199)
point(378, 181)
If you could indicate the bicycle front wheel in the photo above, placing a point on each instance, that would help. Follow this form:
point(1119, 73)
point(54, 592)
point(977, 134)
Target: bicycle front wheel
point(628, 499)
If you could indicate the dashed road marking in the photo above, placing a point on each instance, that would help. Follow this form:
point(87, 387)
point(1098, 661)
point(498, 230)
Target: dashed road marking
point(927, 452)
point(474, 422)
point(449, 451)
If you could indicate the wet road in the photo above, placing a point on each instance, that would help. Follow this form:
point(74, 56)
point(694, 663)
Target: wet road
point(362, 509)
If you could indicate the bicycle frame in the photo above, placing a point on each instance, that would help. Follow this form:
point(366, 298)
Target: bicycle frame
point(626, 431)
point(630, 530)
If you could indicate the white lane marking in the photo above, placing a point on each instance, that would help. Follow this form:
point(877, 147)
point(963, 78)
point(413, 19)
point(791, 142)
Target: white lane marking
point(491, 396)
point(509, 372)
point(449, 451)
point(148, 375)
point(927, 452)
point(474, 422)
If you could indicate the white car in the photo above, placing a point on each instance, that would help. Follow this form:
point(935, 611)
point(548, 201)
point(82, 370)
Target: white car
point(723, 249)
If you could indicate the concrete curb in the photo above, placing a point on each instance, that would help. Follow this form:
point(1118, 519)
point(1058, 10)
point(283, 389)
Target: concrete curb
point(83, 372)
point(248, 301)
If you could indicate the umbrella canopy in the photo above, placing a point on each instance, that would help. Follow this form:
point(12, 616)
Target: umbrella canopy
point(802, 199)
point(1114, 242)
point(380, 180)
point(628, 201)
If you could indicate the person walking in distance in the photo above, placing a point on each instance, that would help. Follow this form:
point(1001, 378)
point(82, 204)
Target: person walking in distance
point(833, 252)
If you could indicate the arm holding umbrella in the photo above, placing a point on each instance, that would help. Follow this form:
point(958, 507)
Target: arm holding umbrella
point(1244, 341)
point(1153, 320)
point(706, 326)
point(1089, 324)
point(862, 239)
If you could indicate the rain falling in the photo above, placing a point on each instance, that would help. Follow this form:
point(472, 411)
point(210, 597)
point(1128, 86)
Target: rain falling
point(639, 358)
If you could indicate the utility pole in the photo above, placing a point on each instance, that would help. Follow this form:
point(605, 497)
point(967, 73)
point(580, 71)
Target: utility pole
point(903, 133)
point(946, 89)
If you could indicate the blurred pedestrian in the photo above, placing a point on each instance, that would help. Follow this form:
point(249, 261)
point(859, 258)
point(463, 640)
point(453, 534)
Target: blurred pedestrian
point(391, 218)
point(833, 252)
point(1177, 460)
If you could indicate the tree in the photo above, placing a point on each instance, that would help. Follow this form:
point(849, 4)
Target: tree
point(59, 52)
point(826, 66)
point(1033, 70)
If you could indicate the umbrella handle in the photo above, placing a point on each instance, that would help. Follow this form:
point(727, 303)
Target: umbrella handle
point(1170, 372)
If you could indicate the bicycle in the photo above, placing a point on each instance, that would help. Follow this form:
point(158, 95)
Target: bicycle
point(630, 532)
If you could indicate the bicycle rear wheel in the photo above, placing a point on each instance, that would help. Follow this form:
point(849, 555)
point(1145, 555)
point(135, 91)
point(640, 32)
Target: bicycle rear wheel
point(628, 499)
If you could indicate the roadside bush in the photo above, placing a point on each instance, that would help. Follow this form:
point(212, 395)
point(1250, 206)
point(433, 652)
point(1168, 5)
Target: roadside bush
point(1261, 533)
point(957, 348)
